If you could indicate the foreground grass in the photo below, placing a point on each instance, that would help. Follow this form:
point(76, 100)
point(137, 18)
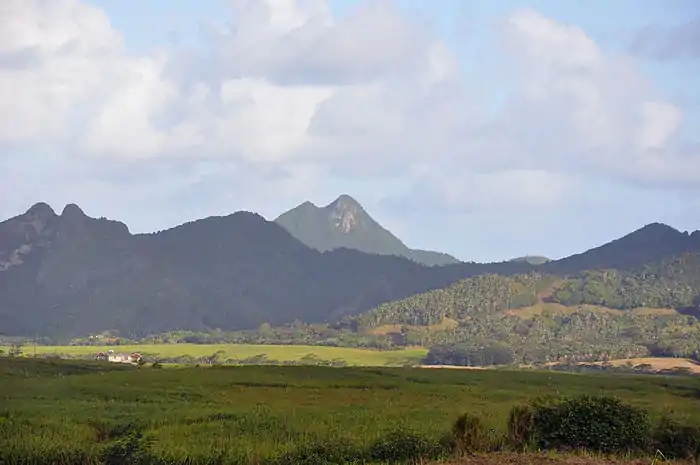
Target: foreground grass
point(62, 412)
point(282, 353)
point(553, 459)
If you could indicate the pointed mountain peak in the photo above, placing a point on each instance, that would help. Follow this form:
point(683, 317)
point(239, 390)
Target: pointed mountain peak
point(653, 232)
point(344, 223)
point(41, 210)
point(347, 214)
point(344, 201)
point(657, 227)
point(73, 211)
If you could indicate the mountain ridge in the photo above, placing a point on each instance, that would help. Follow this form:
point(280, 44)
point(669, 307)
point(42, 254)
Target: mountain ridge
point(73, 274)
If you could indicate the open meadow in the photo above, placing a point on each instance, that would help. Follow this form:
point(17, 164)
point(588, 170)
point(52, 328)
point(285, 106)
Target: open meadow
point(81, 412)
point(280, 353)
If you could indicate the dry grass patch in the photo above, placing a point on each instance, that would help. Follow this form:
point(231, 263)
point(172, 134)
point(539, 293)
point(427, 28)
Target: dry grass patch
point(553, 308)
point(658, 363)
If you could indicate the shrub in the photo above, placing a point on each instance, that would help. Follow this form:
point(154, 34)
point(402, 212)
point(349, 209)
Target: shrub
point(676, 441)
point(326, 451)
point(400, 446)
point(602, 424)
point(106, 430)
point(470, 435)
point(521, 427)
point(128, 450)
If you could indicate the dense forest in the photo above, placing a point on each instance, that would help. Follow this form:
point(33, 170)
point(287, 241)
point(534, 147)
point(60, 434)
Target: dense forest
point(673, 283)
point(478, 296)
point(594, 315)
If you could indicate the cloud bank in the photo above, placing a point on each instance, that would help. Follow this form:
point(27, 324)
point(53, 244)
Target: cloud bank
point(288, 103)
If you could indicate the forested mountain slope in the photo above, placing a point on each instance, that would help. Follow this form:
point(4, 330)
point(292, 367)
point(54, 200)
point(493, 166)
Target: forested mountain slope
point(672, 283)
point(652, 310)
point(71, 274)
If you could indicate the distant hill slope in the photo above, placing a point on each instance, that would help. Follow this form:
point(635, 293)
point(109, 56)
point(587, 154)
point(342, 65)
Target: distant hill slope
point(344, 223)
point(595, 315)
point(71, 274)
point(649, 244)
point(671, 283)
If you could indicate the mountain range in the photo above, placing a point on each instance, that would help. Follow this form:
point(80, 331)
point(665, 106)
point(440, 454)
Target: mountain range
point(69, 274)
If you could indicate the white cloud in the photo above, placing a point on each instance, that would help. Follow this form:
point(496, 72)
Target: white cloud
point(290, 96)
point(506, 191)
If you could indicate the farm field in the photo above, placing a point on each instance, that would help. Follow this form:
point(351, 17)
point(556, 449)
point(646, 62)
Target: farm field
point(281, 353)
point(74, 412)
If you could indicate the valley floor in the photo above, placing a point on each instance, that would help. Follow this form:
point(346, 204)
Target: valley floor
point(78, 412)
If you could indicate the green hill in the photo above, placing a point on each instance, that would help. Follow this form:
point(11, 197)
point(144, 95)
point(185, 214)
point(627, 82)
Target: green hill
point(672, 283)
point(652, 310)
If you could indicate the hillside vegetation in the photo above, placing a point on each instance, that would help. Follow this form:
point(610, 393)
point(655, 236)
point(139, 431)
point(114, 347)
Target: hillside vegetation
point(673, 283)
point(533, 318)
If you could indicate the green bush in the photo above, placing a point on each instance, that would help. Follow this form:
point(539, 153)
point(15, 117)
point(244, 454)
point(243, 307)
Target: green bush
point(106, 430)
point(128, 450)
point(402, 446)
point(320, 452)
point(676, 441)
point(521, 427)
point(470, 435)
point(602, 424)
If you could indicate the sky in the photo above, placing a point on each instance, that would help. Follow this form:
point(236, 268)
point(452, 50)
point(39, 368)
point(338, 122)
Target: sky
point(487, 130)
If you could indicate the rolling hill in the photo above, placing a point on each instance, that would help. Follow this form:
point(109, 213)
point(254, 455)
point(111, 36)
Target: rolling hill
point(593, 315)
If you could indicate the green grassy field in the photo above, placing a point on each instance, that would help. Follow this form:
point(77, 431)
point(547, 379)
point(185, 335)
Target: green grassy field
point(70, 412)
point(281, 353)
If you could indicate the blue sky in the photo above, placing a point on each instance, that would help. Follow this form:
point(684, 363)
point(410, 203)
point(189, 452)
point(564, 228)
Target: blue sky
point(482, 129)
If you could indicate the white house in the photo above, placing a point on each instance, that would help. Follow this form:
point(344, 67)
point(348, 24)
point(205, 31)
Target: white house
point(111, 356)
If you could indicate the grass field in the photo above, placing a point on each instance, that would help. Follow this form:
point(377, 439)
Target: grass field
point(70, 412)
point(282, 353)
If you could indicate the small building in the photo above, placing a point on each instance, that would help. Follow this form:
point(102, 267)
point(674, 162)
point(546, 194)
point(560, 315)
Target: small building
point(113, 357)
